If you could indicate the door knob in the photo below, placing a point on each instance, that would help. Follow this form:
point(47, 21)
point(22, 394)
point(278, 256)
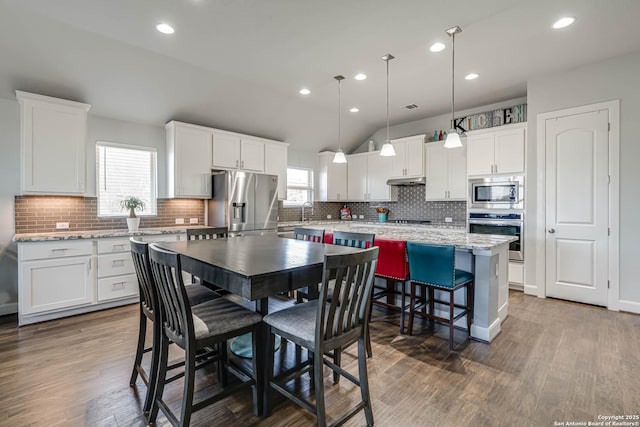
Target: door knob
point(552, 230)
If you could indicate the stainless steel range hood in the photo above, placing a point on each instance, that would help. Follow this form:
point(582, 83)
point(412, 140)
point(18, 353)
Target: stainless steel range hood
point(407, 181)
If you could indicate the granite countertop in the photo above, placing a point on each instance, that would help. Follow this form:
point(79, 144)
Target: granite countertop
point(433, 224)
point(96, 234)
point(423, 234)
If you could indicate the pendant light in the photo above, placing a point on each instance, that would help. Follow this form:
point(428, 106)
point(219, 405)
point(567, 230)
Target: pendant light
point(387, 147)
point(339, 157)
point(453, 139)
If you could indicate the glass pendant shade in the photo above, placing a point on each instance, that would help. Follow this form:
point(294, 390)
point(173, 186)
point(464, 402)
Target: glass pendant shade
point(387, 150)
point(453, 140)
point(339, 157)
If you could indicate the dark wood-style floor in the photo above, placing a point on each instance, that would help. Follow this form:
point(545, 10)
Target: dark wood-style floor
point(553, 361)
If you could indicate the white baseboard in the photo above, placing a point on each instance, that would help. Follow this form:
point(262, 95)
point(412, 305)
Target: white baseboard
point(10, 308)
point(630, 306)
point(486, 334)
point(503, 311)
point(531, 290)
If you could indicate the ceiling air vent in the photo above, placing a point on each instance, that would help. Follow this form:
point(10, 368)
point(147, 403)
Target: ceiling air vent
point(410, 106)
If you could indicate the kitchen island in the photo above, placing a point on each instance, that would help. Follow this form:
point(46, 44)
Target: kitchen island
point(486, 256)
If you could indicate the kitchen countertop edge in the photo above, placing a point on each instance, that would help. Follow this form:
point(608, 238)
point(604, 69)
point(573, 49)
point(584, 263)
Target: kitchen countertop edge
point(95, 234)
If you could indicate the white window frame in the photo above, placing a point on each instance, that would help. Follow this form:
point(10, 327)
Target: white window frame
point(153, 203)
point(309, 188)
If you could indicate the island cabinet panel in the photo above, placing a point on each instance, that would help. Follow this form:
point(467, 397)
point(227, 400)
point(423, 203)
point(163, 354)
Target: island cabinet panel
point(53, 145)
point(332, 178)
point(445, 172)
point(409, 159)
point(189, 156)
point(275, 163)
point(496, 151)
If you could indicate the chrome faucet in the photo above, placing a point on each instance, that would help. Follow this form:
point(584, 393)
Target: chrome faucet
point(306, 204)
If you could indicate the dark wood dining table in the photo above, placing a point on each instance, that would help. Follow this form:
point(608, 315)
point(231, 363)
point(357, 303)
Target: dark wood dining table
point(255, 268)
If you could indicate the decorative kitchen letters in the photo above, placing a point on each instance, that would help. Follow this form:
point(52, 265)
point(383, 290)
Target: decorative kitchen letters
point(488, 119)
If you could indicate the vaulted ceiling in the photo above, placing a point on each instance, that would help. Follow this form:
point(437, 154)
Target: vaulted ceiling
point(238, 64)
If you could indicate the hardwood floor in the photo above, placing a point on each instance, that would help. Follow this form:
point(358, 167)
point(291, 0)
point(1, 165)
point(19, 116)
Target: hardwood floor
point(553, 361)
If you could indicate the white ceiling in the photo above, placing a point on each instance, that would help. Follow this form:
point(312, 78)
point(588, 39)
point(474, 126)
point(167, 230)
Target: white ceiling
point(238, 64)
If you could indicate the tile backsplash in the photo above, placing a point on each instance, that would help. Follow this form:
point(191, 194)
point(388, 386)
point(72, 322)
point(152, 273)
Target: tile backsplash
point(411, 204)
point(39, 214)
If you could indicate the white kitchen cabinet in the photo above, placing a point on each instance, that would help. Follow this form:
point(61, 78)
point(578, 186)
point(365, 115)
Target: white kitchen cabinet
point(446, 172)
point(234, 151)
point(496, 150)
point(54, 276)
point(275, 163)
point(189, 160)
point(332, 179)
point(409, 159)
point(367, 175)
point(116, 275)
point(53, 135)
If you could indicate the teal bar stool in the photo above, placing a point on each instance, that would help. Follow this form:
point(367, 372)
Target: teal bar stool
point(432, 267)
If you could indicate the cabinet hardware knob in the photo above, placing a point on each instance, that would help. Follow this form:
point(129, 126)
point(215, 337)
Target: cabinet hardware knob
point(552, 230)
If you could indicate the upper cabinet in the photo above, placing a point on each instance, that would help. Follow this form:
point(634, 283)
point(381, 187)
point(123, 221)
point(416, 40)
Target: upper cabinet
point(193, 151)
point(231, 151)
point(446, 172)
point(367, 176)
point(275, 163)
point(496, 151)
point(332, 179)
point(189, 160)
point(53, 140)
point(409, 158)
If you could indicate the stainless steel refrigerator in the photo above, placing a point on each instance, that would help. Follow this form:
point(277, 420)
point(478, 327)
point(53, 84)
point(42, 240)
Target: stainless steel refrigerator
point(246, 203)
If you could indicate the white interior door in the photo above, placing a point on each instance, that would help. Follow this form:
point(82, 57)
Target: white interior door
point(577, 207)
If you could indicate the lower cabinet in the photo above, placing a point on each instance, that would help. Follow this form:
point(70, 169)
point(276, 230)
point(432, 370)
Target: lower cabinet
point(67, 277)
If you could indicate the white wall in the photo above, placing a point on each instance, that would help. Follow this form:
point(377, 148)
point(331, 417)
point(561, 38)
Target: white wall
point(9, 187)
point(430, 124)
point(612, 79)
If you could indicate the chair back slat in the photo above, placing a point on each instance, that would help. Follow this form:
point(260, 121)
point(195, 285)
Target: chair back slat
point(354, 240)
point(207, 233)
point(309, 234)
point(174, 303)
point(432, 264)
point(346, 310)
point(146, 285)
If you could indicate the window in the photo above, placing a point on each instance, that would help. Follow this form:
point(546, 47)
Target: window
point(122, 171)
point(299, 186)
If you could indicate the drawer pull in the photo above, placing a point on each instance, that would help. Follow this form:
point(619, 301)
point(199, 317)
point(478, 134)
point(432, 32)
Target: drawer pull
point(59, 250)
point(117, 263)
point(118, 246)
point(118, 286)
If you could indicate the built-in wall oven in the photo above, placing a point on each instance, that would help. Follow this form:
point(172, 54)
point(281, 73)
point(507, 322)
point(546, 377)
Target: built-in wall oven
point(503, 223)
point(501, 192)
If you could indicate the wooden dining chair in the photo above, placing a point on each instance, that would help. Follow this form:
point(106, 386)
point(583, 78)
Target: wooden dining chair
point(149, 312)
point(309, 234)
point(432, 267)
point(327, 325)
point(207, 233)
point(195, 328)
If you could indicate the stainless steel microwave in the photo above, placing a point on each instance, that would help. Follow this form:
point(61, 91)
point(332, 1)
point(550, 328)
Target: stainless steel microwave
point(503, 192)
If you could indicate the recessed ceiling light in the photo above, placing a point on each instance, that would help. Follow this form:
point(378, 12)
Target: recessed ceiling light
point(471, 76)
point(304, 91)
point(360, 76)
point(354, 110)
point(563, 22)
point(437, 47)
point(165, 28)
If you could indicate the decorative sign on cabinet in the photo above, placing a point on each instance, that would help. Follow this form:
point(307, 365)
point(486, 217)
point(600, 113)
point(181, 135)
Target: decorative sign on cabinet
point(332, 178)
point(446, 172)
point(367, 175)
point(53, 136)
point(409, 159)
point(496, 151)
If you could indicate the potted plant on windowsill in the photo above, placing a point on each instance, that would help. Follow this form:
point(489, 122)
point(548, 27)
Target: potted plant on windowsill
point(133, 204)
